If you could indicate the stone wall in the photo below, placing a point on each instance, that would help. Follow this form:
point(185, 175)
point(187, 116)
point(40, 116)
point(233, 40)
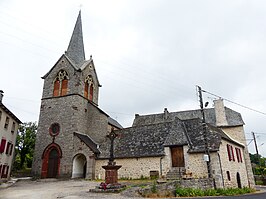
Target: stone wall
point(232, 166)
point(131, 167)
point(10, 137)
point(238, 134)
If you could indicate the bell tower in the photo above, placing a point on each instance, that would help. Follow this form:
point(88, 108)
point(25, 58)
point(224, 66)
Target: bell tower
point(69, 107)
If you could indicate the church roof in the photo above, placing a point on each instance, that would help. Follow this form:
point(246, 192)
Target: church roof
point(88, 141)
point(149, 140)
point(233, 118)
point(114, 123)
point(75, 50)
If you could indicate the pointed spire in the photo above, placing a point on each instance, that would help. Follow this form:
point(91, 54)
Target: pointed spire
point(75, 50)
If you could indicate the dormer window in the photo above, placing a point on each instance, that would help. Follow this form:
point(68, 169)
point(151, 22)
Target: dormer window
point(89, 88)
point(60, 84)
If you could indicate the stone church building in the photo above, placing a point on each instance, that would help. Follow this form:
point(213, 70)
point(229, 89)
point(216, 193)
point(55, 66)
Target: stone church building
point(71, 138)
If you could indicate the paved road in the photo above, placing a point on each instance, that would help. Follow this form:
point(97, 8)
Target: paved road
point(76, 189)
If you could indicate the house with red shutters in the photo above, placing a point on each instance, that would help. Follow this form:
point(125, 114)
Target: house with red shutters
point(8, 133)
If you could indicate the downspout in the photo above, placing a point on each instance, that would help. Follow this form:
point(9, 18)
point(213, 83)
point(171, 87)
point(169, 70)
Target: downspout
point(161, 166)
point(221, 169)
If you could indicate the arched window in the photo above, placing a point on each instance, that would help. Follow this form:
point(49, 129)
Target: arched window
point(60, 84)
point(89, 88)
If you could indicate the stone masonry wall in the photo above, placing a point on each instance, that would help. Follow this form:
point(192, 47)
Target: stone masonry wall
point(131, 167)
point(238, 134)
point(81, 148)
point(232, 166)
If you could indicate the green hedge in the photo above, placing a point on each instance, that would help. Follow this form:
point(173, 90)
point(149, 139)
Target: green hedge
point(190, 192)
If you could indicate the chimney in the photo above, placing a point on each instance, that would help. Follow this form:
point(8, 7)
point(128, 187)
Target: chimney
point(166, 114)
point(1, 95)
point(220, 112)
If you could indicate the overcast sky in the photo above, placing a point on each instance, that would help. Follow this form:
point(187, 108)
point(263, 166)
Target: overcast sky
point(149, 54)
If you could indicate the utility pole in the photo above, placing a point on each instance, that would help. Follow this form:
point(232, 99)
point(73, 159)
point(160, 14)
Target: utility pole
point(256, 147)
point(207, 150)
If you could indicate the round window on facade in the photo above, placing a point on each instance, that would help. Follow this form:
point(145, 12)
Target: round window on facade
point(54, 129)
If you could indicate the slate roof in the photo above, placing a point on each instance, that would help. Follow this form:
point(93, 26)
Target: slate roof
point(233, 118)
point(88, 141)
point(149, 140)
point(113, 122)
point(9, 113)
point(75, 50)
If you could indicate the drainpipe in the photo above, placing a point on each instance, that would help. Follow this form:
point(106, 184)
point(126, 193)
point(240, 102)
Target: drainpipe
point(219, 158)
point(161, 166)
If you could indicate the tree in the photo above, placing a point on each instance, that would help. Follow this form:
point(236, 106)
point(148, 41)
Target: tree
point(25, 145)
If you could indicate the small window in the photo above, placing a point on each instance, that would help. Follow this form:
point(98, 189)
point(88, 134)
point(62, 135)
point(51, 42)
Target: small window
point(3, 171)
point(230, 152)
point(228, 175)
point(11, 149)
point(0, 170)
point(8, 148)
point(6, 123)
point(54, 129)
point(0, 115)
point(13, 127)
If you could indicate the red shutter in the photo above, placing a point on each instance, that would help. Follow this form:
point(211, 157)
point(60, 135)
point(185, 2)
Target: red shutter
point(56, 88)
point(64, 87)
point(229, 153)
point(233, 156)
point(86, 90)
point(3, 144)
point(240, 155)
point(91, 92)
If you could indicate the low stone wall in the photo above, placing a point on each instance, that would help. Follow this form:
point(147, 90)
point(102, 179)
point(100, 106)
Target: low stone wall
point(201, 183)
point(168, 189)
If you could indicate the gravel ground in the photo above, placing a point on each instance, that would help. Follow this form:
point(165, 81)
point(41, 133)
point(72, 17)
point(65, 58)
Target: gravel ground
point(52, 189)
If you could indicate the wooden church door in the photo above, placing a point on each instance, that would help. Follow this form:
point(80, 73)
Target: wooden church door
point(177, 156)
point(53, 164)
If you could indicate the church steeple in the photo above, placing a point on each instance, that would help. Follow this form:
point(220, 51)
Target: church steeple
point(75, 50)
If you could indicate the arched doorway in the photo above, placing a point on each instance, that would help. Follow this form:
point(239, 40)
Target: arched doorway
point(51, 161)
point(238, 180)
point(79, 166)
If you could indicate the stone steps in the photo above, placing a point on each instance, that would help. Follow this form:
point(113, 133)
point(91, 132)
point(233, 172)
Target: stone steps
point(175, 173)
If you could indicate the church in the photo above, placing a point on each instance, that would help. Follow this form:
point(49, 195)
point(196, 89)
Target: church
point(72, 133)
point(71, 125)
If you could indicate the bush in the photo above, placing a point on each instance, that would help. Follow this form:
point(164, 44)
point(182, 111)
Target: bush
point(190, 192)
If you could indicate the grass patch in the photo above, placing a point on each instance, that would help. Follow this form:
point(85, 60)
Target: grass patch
point(191, 192)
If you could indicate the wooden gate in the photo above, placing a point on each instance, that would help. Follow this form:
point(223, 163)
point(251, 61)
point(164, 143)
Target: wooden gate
point(177, 156)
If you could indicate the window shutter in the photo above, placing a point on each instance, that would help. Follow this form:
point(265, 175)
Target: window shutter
point(233, 157)
point(91, 92)
point(229, 153)
point(86, 90)
point(64, 87)
point(3, 144)
point(56, 88)
point(240, 155)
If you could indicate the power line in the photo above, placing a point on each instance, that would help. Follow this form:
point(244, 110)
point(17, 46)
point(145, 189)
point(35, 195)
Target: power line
point(234, 102)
